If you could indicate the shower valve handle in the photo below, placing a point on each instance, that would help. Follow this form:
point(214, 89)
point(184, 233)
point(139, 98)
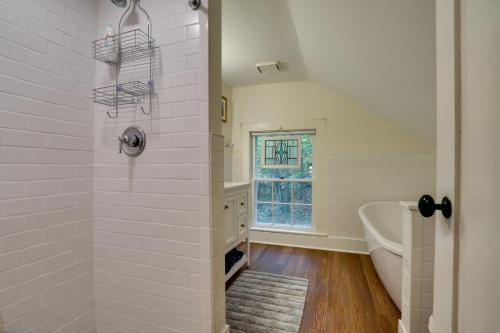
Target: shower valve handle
point(122, 139)
point(427, 206)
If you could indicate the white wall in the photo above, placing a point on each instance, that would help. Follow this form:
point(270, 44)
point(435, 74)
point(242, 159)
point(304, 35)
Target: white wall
point(46, 143)
point(366, 157)
point(153, 237)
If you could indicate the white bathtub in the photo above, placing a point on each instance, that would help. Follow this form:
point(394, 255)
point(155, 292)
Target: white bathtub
point(383, 226)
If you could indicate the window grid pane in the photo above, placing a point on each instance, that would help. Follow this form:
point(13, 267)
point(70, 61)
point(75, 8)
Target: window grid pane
point(283, 203)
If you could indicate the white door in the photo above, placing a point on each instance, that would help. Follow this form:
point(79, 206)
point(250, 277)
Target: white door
point(479, 236)
point(467, 259)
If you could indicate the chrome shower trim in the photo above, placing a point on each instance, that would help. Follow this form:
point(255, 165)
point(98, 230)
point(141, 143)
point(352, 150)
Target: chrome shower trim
point(120, 3)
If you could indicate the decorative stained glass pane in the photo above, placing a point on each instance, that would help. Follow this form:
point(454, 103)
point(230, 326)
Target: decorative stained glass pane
point(281, 152)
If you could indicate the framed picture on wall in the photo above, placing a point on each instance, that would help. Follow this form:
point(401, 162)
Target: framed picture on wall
point(223, 109)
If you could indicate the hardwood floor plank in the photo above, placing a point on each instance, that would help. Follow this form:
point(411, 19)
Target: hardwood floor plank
point(345, 294)
point(382, 301)
point(319, 277)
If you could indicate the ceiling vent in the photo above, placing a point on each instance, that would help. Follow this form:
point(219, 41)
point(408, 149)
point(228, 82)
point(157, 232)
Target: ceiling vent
point(268, 67)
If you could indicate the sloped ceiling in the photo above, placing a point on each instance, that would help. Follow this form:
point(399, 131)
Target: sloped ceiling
point(381, 53)
point(256, 31)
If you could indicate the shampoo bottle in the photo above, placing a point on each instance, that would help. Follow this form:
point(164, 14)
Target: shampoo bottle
point(109, 36)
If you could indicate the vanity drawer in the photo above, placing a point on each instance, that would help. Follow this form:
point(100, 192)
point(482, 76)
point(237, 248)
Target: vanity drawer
point(242, 225)
point(242, 203)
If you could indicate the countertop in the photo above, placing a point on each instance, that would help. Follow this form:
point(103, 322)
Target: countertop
point(235, 185)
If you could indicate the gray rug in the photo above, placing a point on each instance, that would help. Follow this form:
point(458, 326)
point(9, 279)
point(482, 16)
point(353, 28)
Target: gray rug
point(260, 302)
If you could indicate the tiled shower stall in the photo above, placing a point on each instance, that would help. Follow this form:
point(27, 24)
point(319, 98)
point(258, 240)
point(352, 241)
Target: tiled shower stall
point(92, 240)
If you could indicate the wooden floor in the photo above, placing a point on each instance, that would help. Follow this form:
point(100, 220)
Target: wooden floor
point(345, 294)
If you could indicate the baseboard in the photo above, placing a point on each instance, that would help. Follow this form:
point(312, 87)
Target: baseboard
point(225, 329)
point(401, 327)
point(350, 245)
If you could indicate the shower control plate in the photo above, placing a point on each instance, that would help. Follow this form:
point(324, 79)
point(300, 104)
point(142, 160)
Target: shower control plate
point(133, 141)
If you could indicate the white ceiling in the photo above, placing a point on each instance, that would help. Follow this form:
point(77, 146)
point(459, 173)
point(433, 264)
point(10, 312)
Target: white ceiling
point(380, 53)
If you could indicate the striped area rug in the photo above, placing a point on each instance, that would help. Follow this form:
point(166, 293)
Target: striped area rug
point(260, 302)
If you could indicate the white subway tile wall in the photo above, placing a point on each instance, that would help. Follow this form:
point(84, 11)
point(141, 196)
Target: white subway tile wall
point(418, 271)
point(356, 179)
point(153, 254)
point(46, 143)
point(228, 164)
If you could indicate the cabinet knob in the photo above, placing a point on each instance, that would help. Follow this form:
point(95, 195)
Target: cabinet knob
point(242, 203)
point(242, 225)
point(226, 207)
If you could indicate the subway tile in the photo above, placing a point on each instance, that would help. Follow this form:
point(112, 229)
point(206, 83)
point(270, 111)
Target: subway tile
point(46, 31)
point(22, 206)
point(17, 310)
point(28, 40)
point(13, 16)
point(48, 63)
point(11, 225)
point(23, 105)
point(21, 274)
point(10, 260)
point(63, 25)
point(30, 8)
point(13, 120)
point(171, 36)
point(13, 86)
point(64, 55)
point(23, 72)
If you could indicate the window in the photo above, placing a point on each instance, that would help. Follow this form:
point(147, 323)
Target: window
point(283, 180)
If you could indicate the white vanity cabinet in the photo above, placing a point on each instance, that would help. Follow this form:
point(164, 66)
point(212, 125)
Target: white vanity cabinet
point(236, 202)
point(230, 227)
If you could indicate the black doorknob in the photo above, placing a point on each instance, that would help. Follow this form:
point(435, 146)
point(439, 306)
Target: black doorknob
point(427, 206)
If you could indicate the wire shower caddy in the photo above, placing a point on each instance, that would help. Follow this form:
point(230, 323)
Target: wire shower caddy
point(126, 47)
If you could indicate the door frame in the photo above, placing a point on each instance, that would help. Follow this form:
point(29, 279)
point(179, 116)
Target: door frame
point(448, 110)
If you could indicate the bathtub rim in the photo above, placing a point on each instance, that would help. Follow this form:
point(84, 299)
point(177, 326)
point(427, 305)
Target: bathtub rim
point(387, 244)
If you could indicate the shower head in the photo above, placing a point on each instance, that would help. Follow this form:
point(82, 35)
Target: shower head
point(120, 3)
